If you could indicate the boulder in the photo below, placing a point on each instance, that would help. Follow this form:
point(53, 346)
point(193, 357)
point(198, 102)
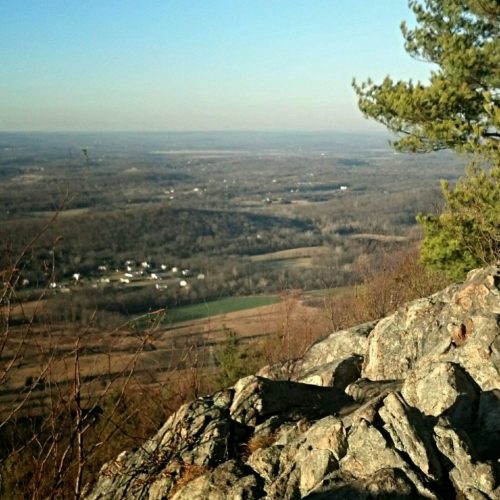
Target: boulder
point(363, 390)
point(385, 483)
point(486, 434)
point(231, 479)
point(257, 398)
point(368, 452)
point(460, 322)
point(410, 435)
point(421, 419)
point(199, 434)
point(438, 387)
point(266, 462)
point(339, 373)
point(336, 347)
point(467, 474)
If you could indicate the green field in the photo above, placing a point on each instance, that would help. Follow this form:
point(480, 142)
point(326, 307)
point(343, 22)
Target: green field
point(222, 306)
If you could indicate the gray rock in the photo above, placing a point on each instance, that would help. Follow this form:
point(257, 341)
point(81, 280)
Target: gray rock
point(398, 341)
point(410, 435)
point(363, 390)
point(314, 467)
point(339, 373)
point(305, 460)
point(230, 480)
point(486, 435)
point(467, 473)
point(391, 484)
point(326, 434)
point(367, 411)
point(324, 444)
point(438, 387)
point(266, 462)
point(368, 452)
point(316, 441)
point(280, 371)
point(336, 347)
point(199, 433)
point(286, 487)
point(257, 398)
point(459, 322)
point(480, 355)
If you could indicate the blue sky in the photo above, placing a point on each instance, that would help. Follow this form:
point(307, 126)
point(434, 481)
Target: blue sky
point(195, 64)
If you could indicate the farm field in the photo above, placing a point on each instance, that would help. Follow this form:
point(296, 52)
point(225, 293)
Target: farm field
point(218, 307)
point(156, 355)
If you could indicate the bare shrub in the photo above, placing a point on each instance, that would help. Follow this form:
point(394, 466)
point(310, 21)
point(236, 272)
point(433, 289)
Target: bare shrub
point(388, 281)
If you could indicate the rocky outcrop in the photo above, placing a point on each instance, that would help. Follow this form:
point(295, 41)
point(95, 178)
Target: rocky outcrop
point(406, 407)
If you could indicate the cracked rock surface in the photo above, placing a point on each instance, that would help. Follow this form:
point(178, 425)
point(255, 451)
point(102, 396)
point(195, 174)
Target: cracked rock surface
point(406, 407)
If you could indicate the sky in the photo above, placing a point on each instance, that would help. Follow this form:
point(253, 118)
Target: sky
point(159, 65)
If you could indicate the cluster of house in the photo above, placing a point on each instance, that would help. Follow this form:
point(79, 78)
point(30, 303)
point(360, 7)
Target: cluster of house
point(162, 275)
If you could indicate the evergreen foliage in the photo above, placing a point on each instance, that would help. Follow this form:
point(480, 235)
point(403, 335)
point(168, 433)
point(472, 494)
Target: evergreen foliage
point(233, 360)
point(458, 109)
point(467, 233)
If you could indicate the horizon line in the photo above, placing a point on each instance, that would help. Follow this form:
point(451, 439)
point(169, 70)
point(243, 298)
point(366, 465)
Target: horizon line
point(200, 131)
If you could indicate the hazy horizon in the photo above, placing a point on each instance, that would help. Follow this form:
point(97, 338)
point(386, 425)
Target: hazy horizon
point(170, 65)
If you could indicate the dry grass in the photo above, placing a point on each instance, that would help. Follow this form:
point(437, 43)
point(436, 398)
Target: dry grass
point(387, 284)
point(188, 473)
point(258, 442)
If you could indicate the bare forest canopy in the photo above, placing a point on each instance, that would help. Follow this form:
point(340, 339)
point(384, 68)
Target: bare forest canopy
point(206, 203)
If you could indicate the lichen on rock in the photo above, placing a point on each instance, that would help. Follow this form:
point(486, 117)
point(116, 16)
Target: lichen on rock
point(406, 407)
